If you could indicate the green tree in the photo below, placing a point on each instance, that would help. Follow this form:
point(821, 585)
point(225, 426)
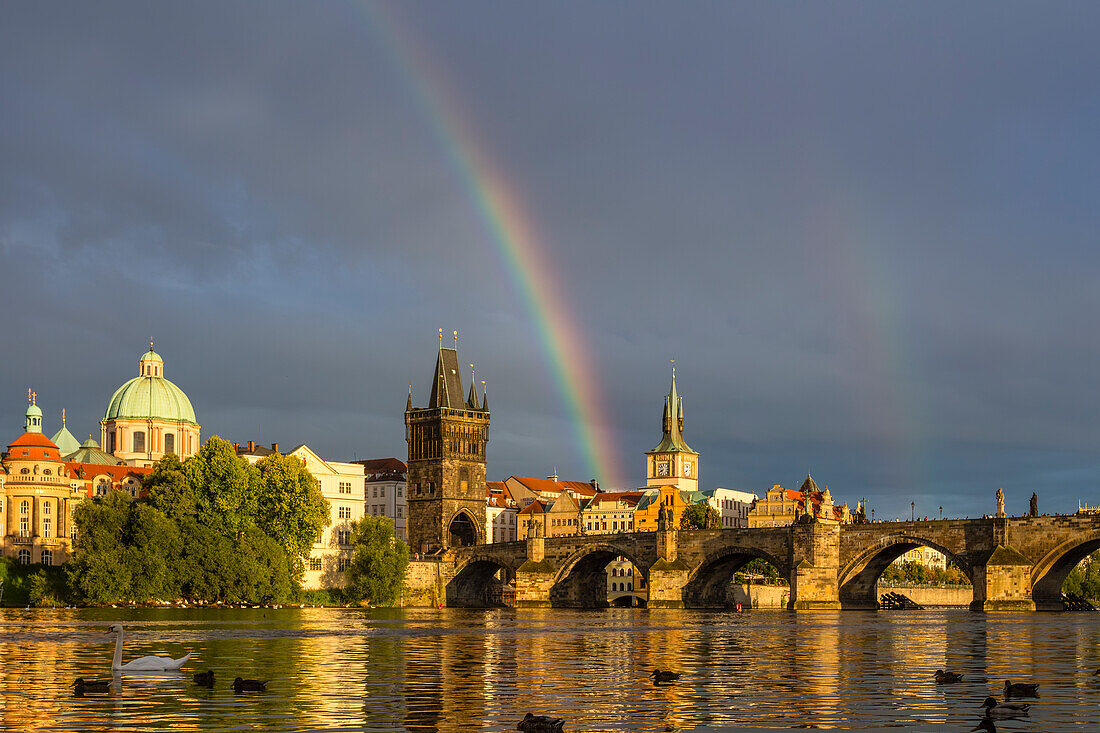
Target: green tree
point(169, 489)
point(291, 508)
point(225, 486)
point(700, 516)
point(378, 562)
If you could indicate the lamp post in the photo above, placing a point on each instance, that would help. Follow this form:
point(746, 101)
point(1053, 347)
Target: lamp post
point(912, 511)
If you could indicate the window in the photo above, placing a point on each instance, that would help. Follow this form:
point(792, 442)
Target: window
point(320, 537)
point(24, 557)
point(47, 557)
point(399, 491)
point(399, 512)
point(72, 535)
point(47, 472)
point(343, 564)
point(101, 488)
point(382, 492)
point(169, 443)
point(24, 528)
point(46, 508)
point(374, 492)
point(345, 487)
point(139, 441)
point(24, 507)
point(46, 527)
point(315, 563)
point(343, 536)
point(344, 512)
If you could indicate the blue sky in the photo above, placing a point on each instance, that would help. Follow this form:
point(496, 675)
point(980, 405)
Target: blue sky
point(867, 233)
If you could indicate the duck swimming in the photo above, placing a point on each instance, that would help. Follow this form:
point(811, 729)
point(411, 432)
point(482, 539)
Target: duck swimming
point(993, 709)
point(540, 724)
point(82, 686)
point(944, 678)
point(249, 685)
point(664, 675)
point(1021, 689)
point(206, 679)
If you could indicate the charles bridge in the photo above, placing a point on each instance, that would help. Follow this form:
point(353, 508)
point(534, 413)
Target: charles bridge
point(1013, 563)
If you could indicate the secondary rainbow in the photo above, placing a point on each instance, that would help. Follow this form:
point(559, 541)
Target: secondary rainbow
point(516, 240)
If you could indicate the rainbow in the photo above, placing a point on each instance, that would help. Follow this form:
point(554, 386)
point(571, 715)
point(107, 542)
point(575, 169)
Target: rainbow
point(515, 239)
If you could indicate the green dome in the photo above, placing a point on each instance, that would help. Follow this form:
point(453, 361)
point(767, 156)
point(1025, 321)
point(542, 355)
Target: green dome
point(150, 397)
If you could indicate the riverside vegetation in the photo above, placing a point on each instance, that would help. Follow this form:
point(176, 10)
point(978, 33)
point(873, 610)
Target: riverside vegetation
point(208, 530)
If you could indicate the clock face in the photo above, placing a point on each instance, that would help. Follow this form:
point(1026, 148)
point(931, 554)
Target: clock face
point(687, 468)
point(662, 468)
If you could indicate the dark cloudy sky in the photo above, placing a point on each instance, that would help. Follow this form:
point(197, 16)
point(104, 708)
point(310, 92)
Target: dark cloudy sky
point(867, 233)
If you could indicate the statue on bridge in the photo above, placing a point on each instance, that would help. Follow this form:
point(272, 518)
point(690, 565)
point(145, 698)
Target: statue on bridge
point(1034, 504)
point(663, 519)
point(1000, 503)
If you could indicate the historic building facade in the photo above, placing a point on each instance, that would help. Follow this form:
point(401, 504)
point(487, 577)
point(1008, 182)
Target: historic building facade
point(447, 454)
point(148, 417)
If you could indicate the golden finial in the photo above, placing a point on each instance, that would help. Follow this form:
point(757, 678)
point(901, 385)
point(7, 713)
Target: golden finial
point(28, 395)
point(410, 388)
point(62, 417)
point(472, 373)
point(441, 338)
point(456, 340)
point(673, 362)
point(34, 398)
point(150, 343)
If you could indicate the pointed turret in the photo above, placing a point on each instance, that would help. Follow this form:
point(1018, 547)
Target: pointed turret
point(484, 397)
point(471, 400)
point(808, 485)
point(447, 382)
point(409, 402)
point(33, 420)
point(672, 422)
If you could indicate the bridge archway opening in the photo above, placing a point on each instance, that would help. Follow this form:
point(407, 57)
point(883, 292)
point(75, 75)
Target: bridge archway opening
point(859, 582)
point(716, 582)
point(1049, 582)
point(480, 584)
point(628, 601)
point(462, 531)
point(586, 580)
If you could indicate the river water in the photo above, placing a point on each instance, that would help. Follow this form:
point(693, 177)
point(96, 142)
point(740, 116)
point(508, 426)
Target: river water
point(481, 670)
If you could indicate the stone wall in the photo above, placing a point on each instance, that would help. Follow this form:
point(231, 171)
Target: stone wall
point(927, 595)
point(425, 583)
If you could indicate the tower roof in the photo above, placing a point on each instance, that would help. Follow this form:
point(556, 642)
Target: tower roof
point(447, 382)
point(150, 396)
point(672, 441)
point(65, 441)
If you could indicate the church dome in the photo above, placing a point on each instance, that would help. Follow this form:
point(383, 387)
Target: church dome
point(150, 396)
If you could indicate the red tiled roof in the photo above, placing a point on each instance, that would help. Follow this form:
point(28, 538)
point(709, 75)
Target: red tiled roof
point(88, 471)
point(38, 440)
point(550, 486)
point(626, 497)
point(535, 507)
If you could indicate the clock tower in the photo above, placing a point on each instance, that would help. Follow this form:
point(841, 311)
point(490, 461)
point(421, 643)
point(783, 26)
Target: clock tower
point(673, 462)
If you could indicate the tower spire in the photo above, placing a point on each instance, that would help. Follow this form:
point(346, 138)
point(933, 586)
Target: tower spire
point(471, 401)
point(484, 397)
point(409, 404)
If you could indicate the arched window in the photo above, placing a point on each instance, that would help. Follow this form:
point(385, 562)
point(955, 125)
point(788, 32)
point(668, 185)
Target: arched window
point(47, 557)
point(47, 472)
point(24, 556)
point(24, 507)
point(102, 487)
point(169, 443)
point(630, 586)
point(45, 507)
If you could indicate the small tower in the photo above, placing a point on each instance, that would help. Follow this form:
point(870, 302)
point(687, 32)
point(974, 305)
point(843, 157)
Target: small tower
point(673, 462)
point(33, 421)
point(447, 455)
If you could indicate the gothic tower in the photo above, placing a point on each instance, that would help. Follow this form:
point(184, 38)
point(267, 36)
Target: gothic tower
point(446, 481)
point(672, 462)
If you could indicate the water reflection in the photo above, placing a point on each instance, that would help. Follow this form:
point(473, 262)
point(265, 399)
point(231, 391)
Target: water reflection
point(471, 670)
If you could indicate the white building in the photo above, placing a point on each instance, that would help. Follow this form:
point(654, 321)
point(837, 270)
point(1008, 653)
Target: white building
point(733, 505)
point(500, 513)
point(339, 484)
point(384, 489)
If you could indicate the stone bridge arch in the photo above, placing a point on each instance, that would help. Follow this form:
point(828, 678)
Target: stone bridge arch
point(1048, 574)
point(858, 579)
point(581, 580)
point(708, 584)
point(463, 529)
point(479, 579)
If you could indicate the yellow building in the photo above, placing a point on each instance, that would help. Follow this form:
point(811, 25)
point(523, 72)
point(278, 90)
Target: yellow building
point(781, 507)
point(36, 516)
point(651, 503)
point(148, 417)
point(610, 512)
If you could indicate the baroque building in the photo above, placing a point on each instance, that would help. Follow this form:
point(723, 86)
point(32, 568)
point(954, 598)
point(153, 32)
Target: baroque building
point(447, 441)
point(673, 462)
point(149, 416)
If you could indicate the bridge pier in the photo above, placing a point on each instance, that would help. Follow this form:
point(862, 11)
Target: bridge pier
point(535, 577)
point(1003, 582)
point(668, 575)
point(815, 549)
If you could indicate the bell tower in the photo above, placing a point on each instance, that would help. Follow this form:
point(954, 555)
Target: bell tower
point(673, 462)
point(446, 495)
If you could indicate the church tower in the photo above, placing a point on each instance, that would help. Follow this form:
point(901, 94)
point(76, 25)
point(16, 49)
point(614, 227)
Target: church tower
point(446, 496)
point(672, 462)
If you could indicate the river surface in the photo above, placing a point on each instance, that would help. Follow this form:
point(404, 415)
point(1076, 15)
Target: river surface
point(475, 670)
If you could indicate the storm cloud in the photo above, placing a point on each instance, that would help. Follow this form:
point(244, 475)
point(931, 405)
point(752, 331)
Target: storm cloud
point(867, 233)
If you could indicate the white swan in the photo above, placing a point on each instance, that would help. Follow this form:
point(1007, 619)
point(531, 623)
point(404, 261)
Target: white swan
point(141, 664)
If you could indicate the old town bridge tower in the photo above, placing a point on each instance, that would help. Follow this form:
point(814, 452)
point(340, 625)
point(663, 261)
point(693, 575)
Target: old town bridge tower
point(446, 480)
